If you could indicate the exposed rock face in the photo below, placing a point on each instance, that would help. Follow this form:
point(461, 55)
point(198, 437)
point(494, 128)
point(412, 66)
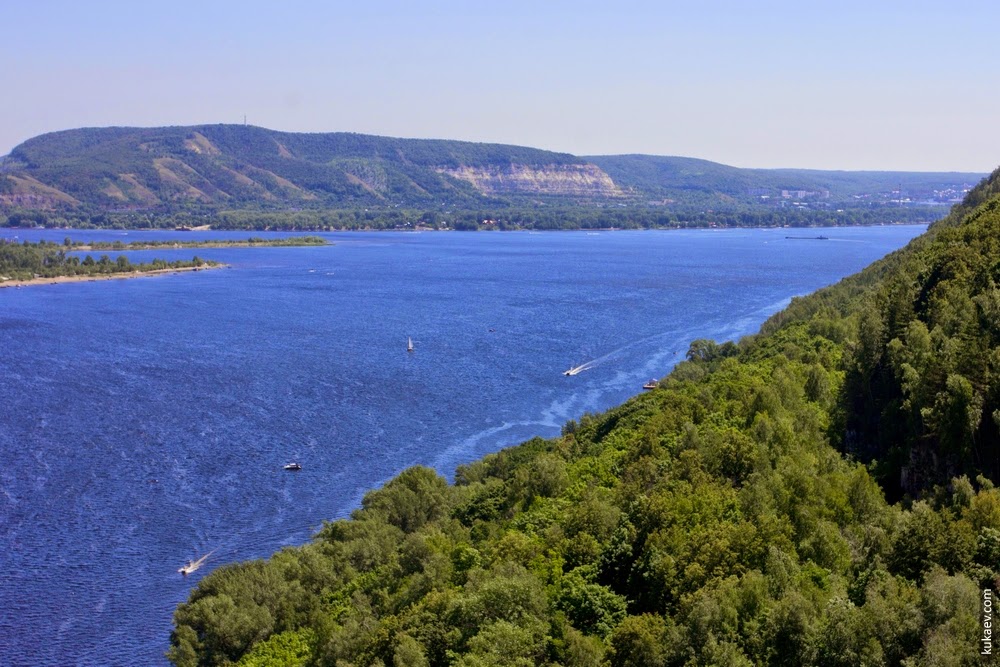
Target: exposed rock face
point(198, 143)
point(567, 180)
point(30, 193)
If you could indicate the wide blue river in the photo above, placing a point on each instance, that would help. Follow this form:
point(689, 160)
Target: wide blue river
point(146, 422)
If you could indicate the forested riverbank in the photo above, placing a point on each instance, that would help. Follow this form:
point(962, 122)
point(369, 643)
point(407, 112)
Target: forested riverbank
point(820, 493)
point(485, 218)
point(732, 516)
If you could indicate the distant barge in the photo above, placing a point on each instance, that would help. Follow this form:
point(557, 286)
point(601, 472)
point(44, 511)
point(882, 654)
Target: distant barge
point(809, 238)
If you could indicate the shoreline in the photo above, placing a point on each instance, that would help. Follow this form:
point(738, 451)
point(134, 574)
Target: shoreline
point(431, 229)
point(55, 280)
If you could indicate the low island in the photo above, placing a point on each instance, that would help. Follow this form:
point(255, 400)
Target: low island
point(252, 242)
point(23, 264)
point(46, 262)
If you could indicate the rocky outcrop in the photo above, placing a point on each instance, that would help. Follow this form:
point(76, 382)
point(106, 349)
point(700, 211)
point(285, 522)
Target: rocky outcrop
point(565, 180)
point(25, 191)
point(198, 143)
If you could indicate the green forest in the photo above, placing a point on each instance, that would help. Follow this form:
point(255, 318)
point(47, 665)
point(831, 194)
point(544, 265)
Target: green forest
point(486, 218)
point(821, 493)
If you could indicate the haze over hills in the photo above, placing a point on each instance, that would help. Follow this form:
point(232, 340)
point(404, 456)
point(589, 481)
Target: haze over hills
point(237, 167)
point(680, 177)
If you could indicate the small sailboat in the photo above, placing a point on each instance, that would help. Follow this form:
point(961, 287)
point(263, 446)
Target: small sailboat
point(409, 344)
point(193, 565)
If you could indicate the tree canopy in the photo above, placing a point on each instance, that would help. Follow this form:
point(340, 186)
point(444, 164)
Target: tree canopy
point(821, 493)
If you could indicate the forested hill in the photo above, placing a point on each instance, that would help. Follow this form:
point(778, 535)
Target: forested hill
point(732, 516)
point(210, 168)
point(235, 166)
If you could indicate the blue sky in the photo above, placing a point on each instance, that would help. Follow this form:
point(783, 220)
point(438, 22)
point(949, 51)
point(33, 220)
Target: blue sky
point(827, 85)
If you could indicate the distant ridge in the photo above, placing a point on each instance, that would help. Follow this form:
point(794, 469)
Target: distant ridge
point(246, 167)
point(684, 176)
point(236, 166)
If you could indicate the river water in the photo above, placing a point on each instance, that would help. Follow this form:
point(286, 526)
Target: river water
point(146, 422)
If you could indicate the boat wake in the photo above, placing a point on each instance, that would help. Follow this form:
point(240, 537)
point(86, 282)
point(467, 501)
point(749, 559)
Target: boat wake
point(581, 368)
point(193, 565)
point(617, 352)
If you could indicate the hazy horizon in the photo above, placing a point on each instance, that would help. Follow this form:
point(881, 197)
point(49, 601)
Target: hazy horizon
point(847, 86)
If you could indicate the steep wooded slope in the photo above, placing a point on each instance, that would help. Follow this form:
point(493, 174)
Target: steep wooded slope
point(713, 521)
